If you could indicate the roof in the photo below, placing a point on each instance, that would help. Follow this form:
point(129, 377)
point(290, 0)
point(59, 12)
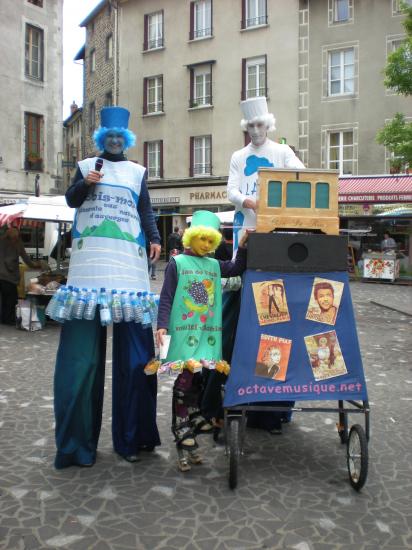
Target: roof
point(80, 54)
point(72, 116)
point(94, 12)
point(384, 188)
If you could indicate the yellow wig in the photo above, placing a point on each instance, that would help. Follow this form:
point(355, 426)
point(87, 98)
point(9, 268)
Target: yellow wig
point(200, 231)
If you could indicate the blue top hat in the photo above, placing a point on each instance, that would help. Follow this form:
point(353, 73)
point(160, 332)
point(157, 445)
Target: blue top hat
point(114, 117)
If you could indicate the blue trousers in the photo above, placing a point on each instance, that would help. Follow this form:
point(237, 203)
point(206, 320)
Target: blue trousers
point(79, 387)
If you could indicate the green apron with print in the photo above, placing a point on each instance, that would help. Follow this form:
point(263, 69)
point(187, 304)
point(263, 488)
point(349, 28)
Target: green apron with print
point(195, 322)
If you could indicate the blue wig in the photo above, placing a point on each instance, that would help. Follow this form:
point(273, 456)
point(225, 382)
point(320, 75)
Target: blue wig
point(100, 134)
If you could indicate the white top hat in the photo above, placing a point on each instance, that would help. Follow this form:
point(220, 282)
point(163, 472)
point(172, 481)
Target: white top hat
point(255, 107)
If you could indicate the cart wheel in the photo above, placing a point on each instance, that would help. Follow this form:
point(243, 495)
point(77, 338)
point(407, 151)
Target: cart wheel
point(357, 457)
point(234, 451)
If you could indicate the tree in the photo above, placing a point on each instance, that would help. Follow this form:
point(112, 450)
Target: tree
point(396, 135)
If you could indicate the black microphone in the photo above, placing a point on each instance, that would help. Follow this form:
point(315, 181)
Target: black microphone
point(98, 165)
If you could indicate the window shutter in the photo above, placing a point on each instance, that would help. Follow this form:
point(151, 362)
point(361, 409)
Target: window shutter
point(266, 12)
point(211, 17)
point(211, 158)
point(266, 75)
point(145, 159)
point(192, 86)
point(161, 157)
point(211, 84)
point(145, 96)
point(146, 32)
point(243, 93)
point(243, 22)
point(192, 21)
point(192, 144)
point(163, 27)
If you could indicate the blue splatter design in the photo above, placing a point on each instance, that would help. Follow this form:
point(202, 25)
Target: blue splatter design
point(237, 226)
point(253, 163)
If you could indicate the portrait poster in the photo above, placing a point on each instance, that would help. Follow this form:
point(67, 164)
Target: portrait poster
point(325, 355)
point(273, 357)
point(324, 301)
point(270, 301)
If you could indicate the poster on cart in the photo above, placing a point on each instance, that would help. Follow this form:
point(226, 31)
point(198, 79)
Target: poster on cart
point(270, 301)
point(323, 361)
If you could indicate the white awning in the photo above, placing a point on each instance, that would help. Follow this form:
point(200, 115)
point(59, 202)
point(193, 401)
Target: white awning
point(49, 209)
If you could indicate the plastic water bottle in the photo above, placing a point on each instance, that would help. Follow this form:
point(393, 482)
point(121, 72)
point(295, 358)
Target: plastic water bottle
point(153, 308)
point(91, 304)
point(69, 303)
point(80, 304)
point(138, 308)
point(117, 313)
point(53, 305)
point(105, 313)
point(126, 307)
point(60, 310)
point(147, 320)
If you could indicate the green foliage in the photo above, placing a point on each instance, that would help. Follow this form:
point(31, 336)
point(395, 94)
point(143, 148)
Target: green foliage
point(396, 135)
point(398, 71)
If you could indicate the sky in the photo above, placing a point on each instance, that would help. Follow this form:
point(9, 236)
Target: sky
point(74, 11)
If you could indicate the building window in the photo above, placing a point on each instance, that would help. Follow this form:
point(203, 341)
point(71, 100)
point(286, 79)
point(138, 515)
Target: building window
point(254, 77)
point(92, 116)
point(254, 13)
point(201, 156)
point(34, 56)
point(109, 47)
point(38, 3)
point(397, 7)
point(200, 19)
point(341, 151)
point(153, 95)
point(341, 79)
point(153, 31)
point(92, 61)
point(200, 86)
point(108, 99)
point(33, 133)
point(340, 11)
point(153, 158)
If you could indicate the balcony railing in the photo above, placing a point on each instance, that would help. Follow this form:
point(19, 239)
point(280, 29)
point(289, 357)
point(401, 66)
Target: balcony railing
point(201, 33)
point(254, 21)
point(154, 43)
point(202, 169)
point(200, 101)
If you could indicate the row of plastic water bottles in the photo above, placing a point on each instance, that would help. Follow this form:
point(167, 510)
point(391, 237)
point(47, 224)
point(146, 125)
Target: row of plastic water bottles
point(72, 303)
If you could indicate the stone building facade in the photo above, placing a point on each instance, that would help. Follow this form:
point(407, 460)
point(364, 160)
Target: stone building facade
point(31, 95)
point(72, 143)
point(342, 99)
point(100, 65)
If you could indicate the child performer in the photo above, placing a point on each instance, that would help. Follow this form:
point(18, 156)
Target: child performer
point(190, 310)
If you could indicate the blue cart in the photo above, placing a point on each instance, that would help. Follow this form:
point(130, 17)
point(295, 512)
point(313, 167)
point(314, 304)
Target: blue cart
point(297, 350)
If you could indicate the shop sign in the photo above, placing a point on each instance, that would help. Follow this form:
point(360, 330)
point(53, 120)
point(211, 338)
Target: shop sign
point(376, 197)
point(165, 200)
point(208, 195)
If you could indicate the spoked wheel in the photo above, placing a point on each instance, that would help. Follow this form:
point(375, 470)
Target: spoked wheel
point(234, 451)
point(357, 457)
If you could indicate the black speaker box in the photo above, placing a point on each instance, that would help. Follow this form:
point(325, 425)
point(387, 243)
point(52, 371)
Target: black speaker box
point(297, 252)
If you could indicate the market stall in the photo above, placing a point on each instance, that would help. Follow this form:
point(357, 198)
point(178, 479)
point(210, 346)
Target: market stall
point(36, 287)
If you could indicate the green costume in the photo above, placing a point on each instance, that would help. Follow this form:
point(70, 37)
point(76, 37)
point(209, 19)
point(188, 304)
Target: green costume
point(196, 316)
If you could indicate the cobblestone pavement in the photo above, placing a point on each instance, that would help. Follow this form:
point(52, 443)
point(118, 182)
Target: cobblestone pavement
point(293, 489)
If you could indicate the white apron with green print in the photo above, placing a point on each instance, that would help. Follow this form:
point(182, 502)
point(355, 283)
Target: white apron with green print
point(108, 247)
point(196, 318)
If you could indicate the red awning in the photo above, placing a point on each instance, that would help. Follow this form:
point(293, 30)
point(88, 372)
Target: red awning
point(372, 189)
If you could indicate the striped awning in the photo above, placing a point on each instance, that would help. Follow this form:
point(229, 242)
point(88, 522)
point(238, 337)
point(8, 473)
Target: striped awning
point(373, 189)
